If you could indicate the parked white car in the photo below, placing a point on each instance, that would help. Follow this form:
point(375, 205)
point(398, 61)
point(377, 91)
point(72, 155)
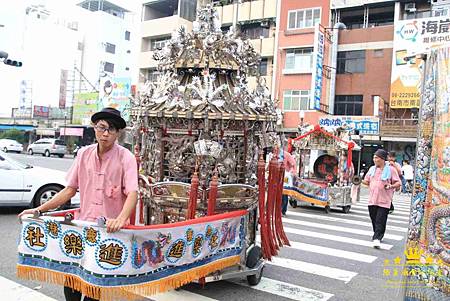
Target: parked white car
point(47, 147)
point(26, 185)
point(9, 145)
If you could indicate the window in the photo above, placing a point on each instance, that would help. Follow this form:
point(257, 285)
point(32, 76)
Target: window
point(188, 9)
point(262, 68)
point(351, 61)
point(127, 69)
point(109, 67)
point(128, 51)
point(378, 53)
point(295, 100)
point(110, 48)
point(255, 31)
point(158, 44)
point(80, 46)
point(305, 18)
point(127, 35)
point(298, 60)
point(348, 105)
point(152, 75)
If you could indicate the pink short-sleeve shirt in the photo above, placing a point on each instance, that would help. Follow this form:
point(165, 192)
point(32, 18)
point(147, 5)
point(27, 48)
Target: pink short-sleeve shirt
point(104, 185)
point(378, 195)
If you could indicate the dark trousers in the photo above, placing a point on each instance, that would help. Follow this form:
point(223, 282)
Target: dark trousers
point(378, 215)
point(284, 203)
point(73, 295)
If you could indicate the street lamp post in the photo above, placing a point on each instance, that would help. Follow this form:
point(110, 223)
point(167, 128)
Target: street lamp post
point(65, 127)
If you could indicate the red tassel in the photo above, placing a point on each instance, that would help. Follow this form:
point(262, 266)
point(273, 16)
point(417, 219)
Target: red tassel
point(279, 222)
point(271, 194)
point(212, 194)
point(192, 205)
point(262, 200)
point(277, 213)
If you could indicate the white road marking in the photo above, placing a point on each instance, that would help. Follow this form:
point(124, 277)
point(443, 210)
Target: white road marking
point(362, 206)
point(179, 295)
point(342, 220)
point(338, 238)
point(396, 215)
point(332, 252)
point(312, 268)
point(287, 290)
point(339, 228)
point(366, 217)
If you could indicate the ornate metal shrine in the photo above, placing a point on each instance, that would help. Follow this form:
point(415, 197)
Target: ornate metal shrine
point(199, 130)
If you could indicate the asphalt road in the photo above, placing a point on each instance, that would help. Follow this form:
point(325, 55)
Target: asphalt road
point(330, 258)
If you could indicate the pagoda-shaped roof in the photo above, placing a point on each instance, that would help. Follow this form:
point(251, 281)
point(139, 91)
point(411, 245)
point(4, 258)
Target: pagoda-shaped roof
point(204, 75)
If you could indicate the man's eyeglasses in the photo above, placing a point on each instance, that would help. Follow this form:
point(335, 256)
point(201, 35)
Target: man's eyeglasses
point(102, 129)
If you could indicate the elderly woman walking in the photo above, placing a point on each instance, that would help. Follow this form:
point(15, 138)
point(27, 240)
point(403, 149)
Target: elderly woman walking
point(382, 179)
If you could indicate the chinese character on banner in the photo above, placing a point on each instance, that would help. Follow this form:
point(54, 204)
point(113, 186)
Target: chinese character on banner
point(189, 235)
point(426, 39)
point(111, 254)
point(444, 26)
point(91, 235)
point(433, 39)
point(214, 241)
point(176, 250)
point(198, 245)
point(73, 244)
point(34, 236)
point(429, 27)
point(53, 229)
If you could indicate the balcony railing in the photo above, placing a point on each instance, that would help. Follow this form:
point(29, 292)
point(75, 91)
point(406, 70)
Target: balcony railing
point(396, 127)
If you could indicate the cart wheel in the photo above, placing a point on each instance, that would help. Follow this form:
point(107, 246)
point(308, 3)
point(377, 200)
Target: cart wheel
point(346, 209)
point(327, 209)
point(255, 279)
point(254, 255)
point(293, 203)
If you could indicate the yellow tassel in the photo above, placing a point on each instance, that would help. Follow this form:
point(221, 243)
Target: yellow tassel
point(127, 292)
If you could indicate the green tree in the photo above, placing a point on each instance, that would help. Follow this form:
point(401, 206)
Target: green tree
point(14, 134)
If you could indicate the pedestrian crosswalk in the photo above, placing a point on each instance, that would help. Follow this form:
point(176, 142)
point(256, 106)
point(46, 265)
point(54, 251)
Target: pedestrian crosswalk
point(332, 248)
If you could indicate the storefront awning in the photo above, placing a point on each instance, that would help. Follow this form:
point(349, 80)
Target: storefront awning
point(17, 127)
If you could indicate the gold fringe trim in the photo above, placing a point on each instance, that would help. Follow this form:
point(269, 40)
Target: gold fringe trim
point(125, 292)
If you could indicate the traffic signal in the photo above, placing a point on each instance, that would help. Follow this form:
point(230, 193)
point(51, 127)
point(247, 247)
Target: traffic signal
point(13, 63)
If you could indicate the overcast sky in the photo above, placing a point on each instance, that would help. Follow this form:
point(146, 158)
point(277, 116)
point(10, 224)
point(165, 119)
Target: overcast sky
point(42, 55)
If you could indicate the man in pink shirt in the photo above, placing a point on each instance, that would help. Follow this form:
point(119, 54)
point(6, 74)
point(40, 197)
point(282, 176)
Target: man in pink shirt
point(106, 176)
point(382, 179)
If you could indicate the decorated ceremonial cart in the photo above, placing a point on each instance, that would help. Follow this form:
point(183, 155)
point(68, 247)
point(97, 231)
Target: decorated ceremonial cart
point(329, 182)
point(199, 137)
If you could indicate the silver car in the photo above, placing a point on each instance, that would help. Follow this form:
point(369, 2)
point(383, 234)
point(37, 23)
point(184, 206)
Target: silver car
point(48, 147)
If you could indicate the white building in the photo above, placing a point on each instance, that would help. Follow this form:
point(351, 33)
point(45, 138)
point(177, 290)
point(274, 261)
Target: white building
point(87, 42)
point(109, 46)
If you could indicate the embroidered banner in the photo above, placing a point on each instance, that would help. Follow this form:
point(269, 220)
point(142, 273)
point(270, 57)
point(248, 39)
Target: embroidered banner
point(137, 260)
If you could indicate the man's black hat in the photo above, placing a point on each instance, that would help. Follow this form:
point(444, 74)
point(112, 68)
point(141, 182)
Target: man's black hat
point(110, 114)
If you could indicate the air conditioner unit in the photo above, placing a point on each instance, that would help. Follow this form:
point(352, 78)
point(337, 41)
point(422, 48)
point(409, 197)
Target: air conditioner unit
point(410, 7)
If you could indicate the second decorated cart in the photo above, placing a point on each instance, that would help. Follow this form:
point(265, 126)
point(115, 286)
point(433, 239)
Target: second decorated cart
point(326, 172)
